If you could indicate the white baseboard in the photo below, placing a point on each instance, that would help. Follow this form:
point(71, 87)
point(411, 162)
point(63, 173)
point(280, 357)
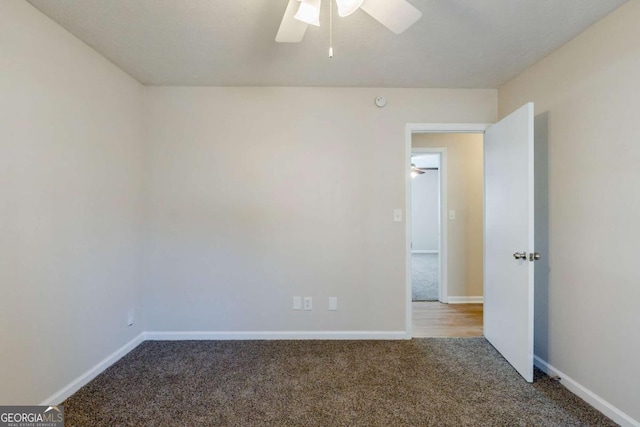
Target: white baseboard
point(277, 335)
point(100, 367)
point(587, 395)
point(465, 300)
point(419, 251)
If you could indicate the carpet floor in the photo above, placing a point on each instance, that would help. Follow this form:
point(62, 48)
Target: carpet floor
point(424, 277)
point(422, 382)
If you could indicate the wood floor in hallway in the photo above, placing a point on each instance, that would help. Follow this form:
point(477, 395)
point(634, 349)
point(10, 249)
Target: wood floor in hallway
point(434, 319)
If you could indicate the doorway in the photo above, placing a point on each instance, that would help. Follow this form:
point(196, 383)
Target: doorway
point(425, 225)
point(458, 149)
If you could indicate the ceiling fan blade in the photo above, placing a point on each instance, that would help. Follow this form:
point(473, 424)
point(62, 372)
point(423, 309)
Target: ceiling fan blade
point(396, 15)
point(291, 30)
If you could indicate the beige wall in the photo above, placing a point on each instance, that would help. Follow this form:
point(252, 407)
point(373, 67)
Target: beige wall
point(465, 197)
point(425, 211)
point(70, 173)
point(260, 194)
point(589, 89)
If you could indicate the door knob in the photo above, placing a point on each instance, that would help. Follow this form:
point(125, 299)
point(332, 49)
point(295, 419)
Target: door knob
point(534, 256)
point(520, 255)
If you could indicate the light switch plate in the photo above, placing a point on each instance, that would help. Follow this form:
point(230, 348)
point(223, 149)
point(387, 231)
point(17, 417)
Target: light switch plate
point(333, 303)
point(397, 215)
point(452, 215)
point(297, 303)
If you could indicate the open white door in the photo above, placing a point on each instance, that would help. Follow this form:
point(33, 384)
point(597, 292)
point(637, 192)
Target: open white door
point(509, 238)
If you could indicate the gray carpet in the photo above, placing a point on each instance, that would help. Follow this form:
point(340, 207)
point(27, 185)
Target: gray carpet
point(422, 382)
point(424, 277)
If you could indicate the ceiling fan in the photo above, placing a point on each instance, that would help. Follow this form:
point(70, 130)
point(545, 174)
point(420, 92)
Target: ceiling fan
point(415, 171)
point(396, 15)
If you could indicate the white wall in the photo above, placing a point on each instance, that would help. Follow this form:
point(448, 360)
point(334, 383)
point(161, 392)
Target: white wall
point(70, 173)
point(465, 196)
point(260, 194)
point(589, 90)
point(425, 208)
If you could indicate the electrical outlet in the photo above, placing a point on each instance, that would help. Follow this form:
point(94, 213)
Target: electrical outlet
point(130, 317)
point(297, 303)
point(333, 303)
point(397, 215)
point(308, 303)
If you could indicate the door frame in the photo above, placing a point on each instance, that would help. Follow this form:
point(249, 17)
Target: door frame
point(410, 130)
point(443, 294)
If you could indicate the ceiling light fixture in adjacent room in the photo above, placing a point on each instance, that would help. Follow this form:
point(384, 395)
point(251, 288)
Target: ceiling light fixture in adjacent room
point(415, 171)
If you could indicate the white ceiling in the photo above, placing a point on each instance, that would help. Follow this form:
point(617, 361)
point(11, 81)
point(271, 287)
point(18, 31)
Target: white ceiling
point(456, 44)
point(426, 160)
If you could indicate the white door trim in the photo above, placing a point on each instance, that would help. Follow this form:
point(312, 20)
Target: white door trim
point(410, 129)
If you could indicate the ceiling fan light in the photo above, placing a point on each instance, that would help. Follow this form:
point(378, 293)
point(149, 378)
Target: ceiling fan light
point(309, 12)
point(415, 171)
point(347, 7)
